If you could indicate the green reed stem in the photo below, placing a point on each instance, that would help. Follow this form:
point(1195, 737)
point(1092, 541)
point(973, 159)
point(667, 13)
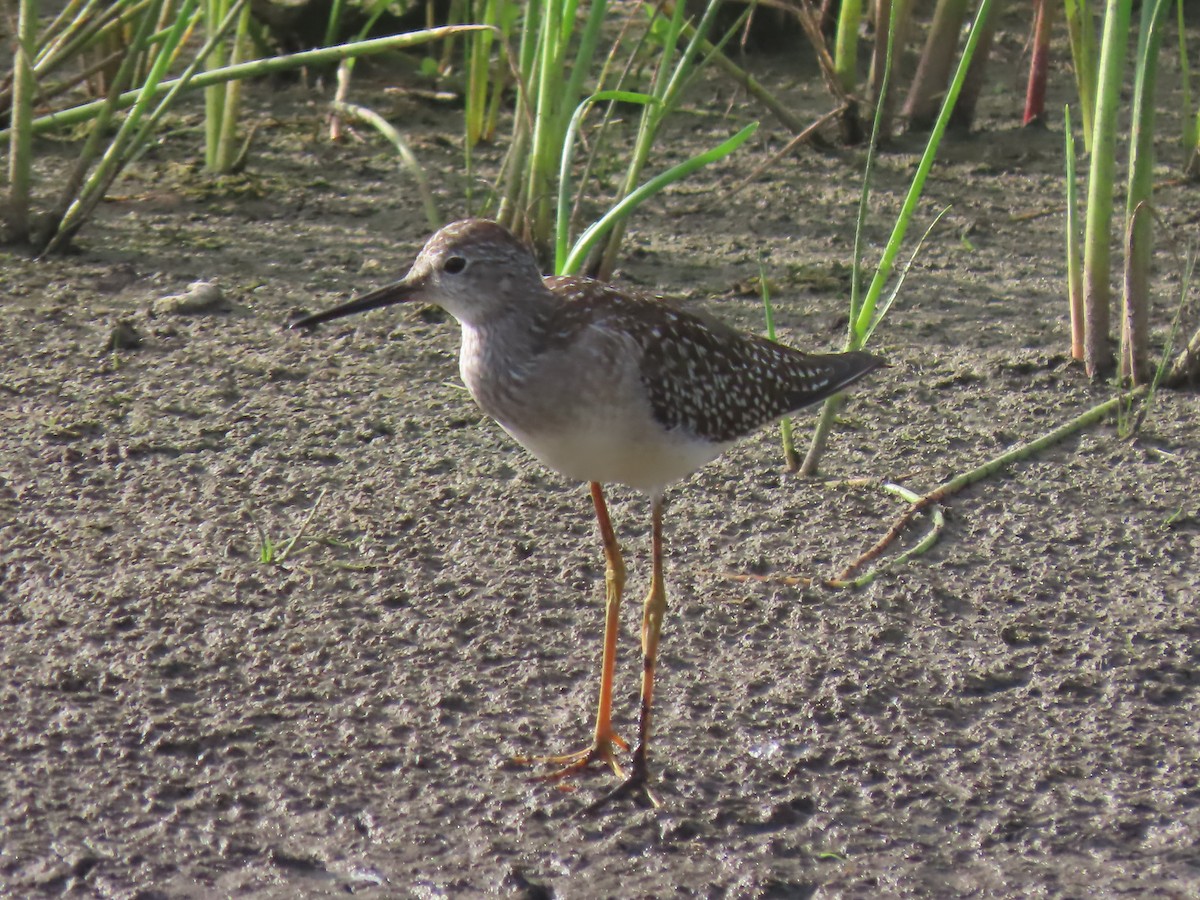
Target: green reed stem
point(1097, 263)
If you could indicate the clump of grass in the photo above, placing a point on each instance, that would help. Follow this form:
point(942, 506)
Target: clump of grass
point(154, 40)
point(1090, 288)
point(553, 64)
point(272, 553)
point(868, 310)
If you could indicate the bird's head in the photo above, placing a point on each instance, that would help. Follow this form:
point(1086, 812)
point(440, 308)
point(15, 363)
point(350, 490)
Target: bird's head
point(474, 269)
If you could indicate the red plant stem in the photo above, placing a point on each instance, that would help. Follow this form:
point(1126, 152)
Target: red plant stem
point(1035, 93)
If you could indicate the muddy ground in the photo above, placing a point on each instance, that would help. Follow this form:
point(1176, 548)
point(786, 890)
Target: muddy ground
point(1012, 715)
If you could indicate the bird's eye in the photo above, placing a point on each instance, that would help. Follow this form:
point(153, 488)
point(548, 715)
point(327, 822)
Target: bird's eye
point(454, 265)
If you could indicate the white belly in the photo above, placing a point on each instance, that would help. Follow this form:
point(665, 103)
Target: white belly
point(648, 463)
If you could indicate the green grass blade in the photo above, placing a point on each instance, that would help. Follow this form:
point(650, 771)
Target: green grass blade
point(1190, 122)
point(667, 85)
point(334, 22)
point(479, 52)
point(408, 159)
point(226, 152)
point(563, 216)
point(867, 313)
point(596, 232)
point(864, 200)
point(1083, 54)
point(135, 130)
point(895, 291)
point(1074, 252)
point(845, 45)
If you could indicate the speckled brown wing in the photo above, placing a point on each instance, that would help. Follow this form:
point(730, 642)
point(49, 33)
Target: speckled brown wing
point(700, 375)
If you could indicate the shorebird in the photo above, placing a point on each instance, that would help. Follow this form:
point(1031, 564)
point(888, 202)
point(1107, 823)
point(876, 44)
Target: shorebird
point(603, 385)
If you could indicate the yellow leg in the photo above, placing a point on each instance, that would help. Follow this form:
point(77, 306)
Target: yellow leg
point(652, 621)
point(605, 739)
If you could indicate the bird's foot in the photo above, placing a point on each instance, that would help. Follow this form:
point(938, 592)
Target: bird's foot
point(602, 750)
point(636, 787)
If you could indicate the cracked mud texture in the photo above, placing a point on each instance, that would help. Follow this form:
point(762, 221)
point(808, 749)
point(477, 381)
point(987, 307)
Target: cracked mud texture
point(1013, 714)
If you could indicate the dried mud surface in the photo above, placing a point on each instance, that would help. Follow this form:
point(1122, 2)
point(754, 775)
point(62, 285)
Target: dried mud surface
point(1012, 715)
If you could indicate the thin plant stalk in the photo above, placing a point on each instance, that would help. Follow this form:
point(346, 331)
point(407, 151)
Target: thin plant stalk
point(1097, 263)
point(845, 45)
point(60, 45)
point(545, 136)
point(1083, 55)
point(290, 544)
point(346, 64)
point(333, 24)
point(67, 16)
point(515, 164)
point(894, 293)
point(864, 197)
point(549, 118)
point(214, 97)
point(1074, 253)
point(135, 130)
point(93, 28)
point(479, 80)
point(1187, 365)
point(226, 154)
point(883, 31)
point(1191, 121)
point(562, 218)
point(748, 82)
point(893, 22)
point(1039, 62)
point(100, 127)
point(648, 124)
point(408, 159)
point(589, 39)
point(1135, 327)
point(829, 409)
point(20, 148)
point(598, 149)
point(846, 578)
point(91, 150)
point(546, 102)
point(866, 314)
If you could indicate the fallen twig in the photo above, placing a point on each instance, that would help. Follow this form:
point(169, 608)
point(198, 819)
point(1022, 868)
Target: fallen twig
point(848, 577)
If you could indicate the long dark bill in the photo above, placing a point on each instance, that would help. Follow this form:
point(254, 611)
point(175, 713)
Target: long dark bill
point(387, 295)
